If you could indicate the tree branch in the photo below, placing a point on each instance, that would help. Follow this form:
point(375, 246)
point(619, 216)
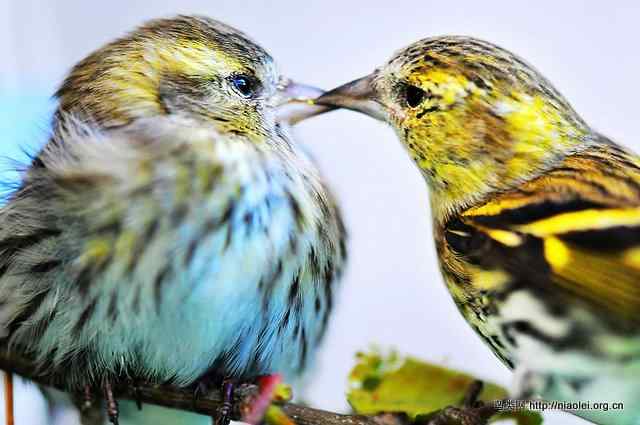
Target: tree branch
point(183, 398)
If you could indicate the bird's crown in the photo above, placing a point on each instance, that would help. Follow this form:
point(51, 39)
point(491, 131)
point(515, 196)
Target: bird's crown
point(190, 67)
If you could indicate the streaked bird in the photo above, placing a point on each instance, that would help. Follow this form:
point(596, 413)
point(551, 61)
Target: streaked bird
point(536, 216)
point(171, 230)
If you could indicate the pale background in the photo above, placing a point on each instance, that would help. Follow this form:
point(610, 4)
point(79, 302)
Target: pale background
point(392, 294)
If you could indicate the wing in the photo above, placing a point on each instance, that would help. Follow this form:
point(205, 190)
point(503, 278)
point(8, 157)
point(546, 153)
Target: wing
point(572, 235)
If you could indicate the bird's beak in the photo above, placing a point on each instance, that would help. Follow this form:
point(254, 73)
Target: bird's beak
point(295, 102)
point(358, 95)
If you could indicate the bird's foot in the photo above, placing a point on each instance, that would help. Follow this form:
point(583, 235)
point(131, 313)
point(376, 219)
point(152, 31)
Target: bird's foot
point(92, 412)
point(248, 401)
point(223, 416)
point(86, 401)
point(472, 411)
point(112, 404)
point(254, 405)
point(137, 395)
point(206, 384)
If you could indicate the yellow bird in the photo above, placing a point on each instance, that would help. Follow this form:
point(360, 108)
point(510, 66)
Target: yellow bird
point(536, 217)
point(172, 230)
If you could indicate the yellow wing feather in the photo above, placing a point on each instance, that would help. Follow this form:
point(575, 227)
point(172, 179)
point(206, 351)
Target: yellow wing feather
point(577, 228)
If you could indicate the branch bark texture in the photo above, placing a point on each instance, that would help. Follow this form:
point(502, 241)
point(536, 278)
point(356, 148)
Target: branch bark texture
point(183, 398)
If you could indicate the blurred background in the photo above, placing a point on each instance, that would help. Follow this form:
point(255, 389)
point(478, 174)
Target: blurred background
point(392, 295)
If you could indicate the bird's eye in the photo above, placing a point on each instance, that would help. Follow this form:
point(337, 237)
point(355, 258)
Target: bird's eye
point(244, 85)
point(414, 95)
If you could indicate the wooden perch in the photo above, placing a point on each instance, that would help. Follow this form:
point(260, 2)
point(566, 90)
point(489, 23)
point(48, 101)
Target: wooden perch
point(183, 398)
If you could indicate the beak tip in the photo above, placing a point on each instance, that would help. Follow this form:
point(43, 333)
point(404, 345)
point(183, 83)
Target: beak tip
point(358, 95)
point(324, 99)
point(299, 103)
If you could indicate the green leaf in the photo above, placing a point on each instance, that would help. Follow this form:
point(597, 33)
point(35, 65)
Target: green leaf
point(407, 385)
point(276, 416)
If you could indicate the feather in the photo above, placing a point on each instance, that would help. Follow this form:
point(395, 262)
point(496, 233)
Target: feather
point(574, 231)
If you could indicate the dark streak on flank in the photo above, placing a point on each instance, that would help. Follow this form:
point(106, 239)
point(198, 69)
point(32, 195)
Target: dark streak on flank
point(134, 255)
point(86, 275)
point(266, 286)
point(214, 224)
point(314, 262)
point(294, 290)
point(29, 311)
point(328, 298)
point(157, 286)
point(45, 266)
point(343, 237)
point(84, 317)
point(150, 231)
point(136, 299)
point(248, 220)
point(297, 211)
point(41, 326)
point(212, 179)
point(293, 242)
point(303, 355)
point(112, 228)
point(178, 215)
point(84, 278)
point(191, 249)
point(324, 207)
point(112, 311)
point(285, 320)
point(15, 243)
point(227, 241)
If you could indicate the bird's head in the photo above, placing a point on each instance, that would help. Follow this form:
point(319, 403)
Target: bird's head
point(191, 69)
point(473, 117)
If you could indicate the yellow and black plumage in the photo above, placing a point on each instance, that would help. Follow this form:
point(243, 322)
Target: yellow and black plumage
point(570, 237)
point(536, 215)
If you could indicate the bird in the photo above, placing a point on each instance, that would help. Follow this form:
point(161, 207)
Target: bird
point(171, 229)
point(536, 217)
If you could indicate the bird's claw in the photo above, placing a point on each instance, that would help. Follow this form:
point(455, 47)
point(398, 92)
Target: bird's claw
point(86, 403)
point(223, 416)
point(248, 401)
point(90, 412)
point(137, 394)
point(112, 404)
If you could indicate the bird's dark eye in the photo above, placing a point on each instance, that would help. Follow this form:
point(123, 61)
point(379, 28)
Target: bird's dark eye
point(244, 85)
point(414, 95)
